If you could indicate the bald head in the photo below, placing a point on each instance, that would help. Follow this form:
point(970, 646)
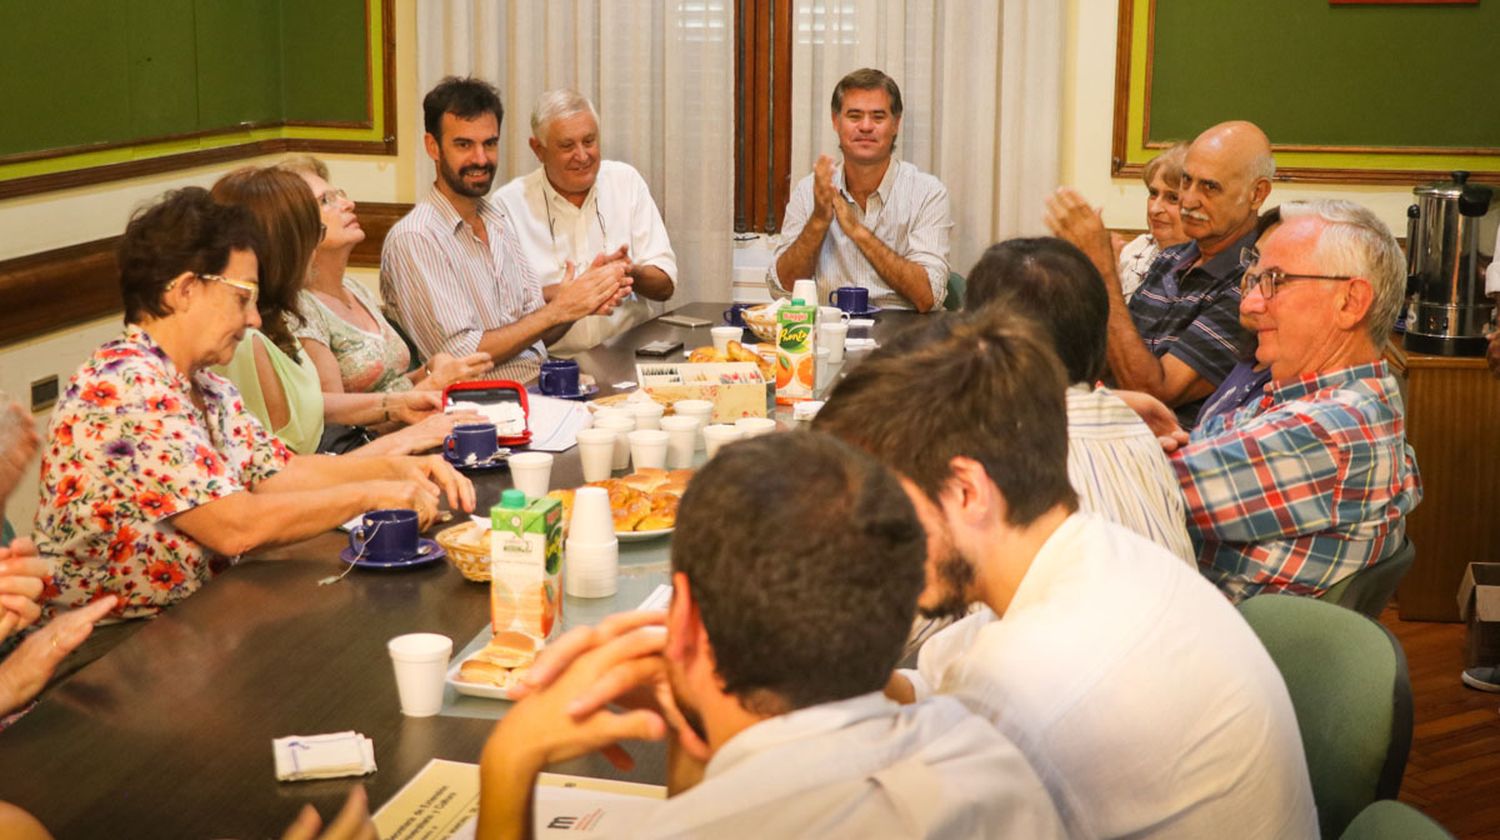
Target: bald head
point(1225, 180)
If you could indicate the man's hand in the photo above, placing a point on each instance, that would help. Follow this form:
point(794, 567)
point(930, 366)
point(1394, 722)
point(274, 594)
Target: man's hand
point(27, 669)
point(352, 823)
point(1071, 218)
point(825, 195)
point(1160, 419)
point(850, 224)
point(589, 293)
point(21, 578)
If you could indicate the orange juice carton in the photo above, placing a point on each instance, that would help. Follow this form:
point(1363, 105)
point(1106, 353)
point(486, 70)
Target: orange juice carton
point(526, 544)
point(796, 351)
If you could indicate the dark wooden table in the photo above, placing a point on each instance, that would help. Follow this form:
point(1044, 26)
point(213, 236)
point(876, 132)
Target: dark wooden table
point(169, 734)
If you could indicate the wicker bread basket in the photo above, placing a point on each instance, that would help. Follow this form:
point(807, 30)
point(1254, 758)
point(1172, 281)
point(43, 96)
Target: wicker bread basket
point(468, 546)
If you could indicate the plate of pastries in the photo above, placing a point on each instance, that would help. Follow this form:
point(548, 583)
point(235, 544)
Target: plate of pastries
point(735, 352)
point(644, 503)
point(493, 670)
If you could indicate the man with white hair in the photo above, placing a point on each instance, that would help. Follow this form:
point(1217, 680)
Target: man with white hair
point(1179, 335)
point(1313, 482)
point(576, 208)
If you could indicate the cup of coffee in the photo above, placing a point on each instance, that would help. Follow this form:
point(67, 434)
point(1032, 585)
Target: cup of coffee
point(385, 536)
point(850, 298)
point(559, 378)
point(734, 315)
point(471, 443)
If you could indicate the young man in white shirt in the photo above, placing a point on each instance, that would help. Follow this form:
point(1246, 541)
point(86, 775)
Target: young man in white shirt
point(1146, 704)
point(770, 670)
point(576, 207)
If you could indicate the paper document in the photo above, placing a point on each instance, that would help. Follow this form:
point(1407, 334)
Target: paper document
point(555, 423)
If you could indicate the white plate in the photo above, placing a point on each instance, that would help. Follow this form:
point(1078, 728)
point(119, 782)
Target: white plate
point(642, 536)
point(493, 692)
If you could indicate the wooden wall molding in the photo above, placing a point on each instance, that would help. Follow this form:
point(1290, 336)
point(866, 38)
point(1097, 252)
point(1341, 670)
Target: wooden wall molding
point(53, 290)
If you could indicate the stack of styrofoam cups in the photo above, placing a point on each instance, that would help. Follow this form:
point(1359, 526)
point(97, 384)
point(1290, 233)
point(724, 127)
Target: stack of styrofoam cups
point(592, 566)
point(647, 414)
point(622, 426)
point(682, 439)
point(596, 450)
point(648, 448)
point(703, 410)
point(720, 434)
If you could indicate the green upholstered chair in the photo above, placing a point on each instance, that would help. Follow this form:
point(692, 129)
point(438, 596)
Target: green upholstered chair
point(1347, 678)
point(1370, 589)
point(954, 299)
point(1392, 820)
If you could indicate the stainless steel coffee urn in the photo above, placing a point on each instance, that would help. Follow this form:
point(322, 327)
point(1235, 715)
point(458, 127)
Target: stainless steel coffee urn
point(1451, 238)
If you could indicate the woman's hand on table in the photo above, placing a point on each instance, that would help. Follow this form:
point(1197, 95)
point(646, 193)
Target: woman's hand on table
point(438, 476)
point(429, 433)
point(352, 823)
point(27, 669)
point(22, 573)
point(409, 407)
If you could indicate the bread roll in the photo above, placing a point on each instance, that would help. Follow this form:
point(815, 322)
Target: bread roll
point(646, 478)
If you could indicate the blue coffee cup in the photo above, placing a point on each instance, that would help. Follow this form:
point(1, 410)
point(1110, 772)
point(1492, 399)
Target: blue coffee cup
point(559, 378)
point(385, 536)
point(852, 299)
point(734, 316)
point(471, 442)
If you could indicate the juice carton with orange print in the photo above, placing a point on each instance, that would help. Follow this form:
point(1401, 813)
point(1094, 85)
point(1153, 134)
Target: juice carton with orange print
point(525, 565)
point(796, 356)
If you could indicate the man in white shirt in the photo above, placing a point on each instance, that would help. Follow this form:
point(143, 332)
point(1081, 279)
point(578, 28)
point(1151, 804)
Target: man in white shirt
point(453, 269)
point(770, 670)
point(1146, 704)
point(576, 207)
point(871, 221)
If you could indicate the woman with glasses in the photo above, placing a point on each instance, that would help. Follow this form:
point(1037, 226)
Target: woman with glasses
point(279, 381)
point(353, 346)
point(154, 476)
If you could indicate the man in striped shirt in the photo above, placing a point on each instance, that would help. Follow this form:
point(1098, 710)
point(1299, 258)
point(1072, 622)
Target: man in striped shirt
point(871, 221)
point(453, 268)
point(1179, 335)
point(1313, 482)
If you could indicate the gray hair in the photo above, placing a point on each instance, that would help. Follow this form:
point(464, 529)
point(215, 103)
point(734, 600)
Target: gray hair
point(1355, 242)
point(1264, 166)
point(556, 104)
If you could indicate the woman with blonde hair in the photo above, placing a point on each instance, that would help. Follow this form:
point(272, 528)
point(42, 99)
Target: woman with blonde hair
point(1163, 177)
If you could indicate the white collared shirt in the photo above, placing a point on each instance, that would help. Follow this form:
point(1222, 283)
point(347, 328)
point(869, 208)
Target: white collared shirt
point(447, 287)
point(864, 767)
point(617, 211)
point(908, 212)
point(1144, 701)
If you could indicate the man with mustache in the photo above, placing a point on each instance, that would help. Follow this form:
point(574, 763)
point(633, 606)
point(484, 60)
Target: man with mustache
point(871, 220)
point(770, 668)
point(577, 207)
point(454, 269)
point(1145, 702)
point(1179, 335)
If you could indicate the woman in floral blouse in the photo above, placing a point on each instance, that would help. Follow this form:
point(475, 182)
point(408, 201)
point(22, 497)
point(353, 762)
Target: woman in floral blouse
point(355, 349)
point(155, 477)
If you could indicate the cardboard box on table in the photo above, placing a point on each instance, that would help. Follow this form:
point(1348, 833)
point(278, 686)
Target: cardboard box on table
point(735, 388)
point(1479, 607)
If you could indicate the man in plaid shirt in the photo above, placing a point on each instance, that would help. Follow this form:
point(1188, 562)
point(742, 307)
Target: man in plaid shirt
point(1313, 482)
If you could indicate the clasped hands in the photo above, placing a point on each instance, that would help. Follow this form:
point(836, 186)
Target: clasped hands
point(828, 203)
point(599, 288)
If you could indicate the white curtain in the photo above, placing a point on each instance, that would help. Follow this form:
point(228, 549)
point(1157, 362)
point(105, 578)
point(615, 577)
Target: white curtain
point(981, 84)
point(660, 73)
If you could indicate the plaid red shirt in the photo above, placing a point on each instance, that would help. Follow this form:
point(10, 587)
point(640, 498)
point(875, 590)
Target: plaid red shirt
point(1302, 488)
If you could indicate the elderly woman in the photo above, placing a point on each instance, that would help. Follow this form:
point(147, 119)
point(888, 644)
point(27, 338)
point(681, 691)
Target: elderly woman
point(154, 476)
point(280, 383)
point(1163, 176)
point(353, 346)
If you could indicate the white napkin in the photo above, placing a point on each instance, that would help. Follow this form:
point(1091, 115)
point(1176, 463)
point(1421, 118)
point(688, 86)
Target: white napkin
point(555, 423)
point(860, 344)
point(300, 757)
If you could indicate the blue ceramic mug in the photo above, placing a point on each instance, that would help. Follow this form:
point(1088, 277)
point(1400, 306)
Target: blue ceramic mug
point(734, 316)
point(385, 536)
point(471, 442)
point(851, 299)
point(559, 378)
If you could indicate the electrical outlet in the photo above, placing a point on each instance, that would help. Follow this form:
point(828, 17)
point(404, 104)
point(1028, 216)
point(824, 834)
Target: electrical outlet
point(43, 394)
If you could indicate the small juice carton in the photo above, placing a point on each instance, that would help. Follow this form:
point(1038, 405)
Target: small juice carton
point(525, 565)
point(796, 357)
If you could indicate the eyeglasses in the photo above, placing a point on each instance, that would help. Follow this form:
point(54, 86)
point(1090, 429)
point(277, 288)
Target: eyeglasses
point(1271, 279)
point(331, 197)
point(250, 287)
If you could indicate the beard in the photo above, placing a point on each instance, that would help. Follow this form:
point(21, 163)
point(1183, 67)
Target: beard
point(955, 579)
point(455, 180)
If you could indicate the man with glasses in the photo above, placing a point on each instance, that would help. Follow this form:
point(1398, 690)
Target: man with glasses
point(577, 207)
point(1313, 482)
point(1179, 335)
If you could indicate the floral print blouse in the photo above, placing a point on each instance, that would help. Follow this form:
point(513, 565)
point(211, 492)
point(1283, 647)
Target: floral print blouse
point(127, 449)
point(368, 362)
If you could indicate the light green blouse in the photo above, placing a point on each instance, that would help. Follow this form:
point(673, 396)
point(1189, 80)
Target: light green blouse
point(299, 379)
